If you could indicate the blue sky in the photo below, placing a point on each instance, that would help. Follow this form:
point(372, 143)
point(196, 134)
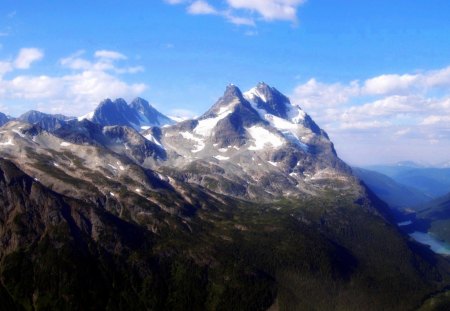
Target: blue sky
point(374, 74)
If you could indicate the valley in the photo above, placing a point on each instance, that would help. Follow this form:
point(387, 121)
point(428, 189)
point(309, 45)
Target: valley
point(247, 207)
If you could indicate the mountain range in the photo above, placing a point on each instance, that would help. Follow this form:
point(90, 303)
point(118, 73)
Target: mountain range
point(247, 207)
point(431, 181)
point(397, 195)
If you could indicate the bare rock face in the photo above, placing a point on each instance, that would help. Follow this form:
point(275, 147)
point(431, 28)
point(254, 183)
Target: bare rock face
point(265, 146)
point(3, 119)
point(49, 122)
point(139, 114)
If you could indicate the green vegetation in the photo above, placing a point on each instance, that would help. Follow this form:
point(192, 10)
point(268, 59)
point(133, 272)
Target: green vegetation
point(321, 253)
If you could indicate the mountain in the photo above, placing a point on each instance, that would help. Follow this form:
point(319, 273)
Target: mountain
point(434, 217)
point(49, 122)
point(3, 118)
point(396, 195)
point(431, 181)
point(139, 114)
point(246, 208)
point(255, 145)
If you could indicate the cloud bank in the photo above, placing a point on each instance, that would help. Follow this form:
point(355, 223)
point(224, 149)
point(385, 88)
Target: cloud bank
point(387, 114)
point(85, 82)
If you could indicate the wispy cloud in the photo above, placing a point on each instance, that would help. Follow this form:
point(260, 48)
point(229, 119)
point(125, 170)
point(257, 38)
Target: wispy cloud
point(90, 81)
point(105, 54)
point(200, 7)
point(388, 110)
point(269, 9)
point(245, 12)
point(11, 14)
point(27, 56)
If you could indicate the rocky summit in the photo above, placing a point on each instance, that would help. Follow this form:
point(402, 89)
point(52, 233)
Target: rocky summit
point(139, 114)
point(247, 207)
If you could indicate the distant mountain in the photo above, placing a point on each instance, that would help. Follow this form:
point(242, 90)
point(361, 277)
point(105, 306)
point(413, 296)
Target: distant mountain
point(396, 195)
point(436, 209)
point(392, 170)
point(49, 122)
point(431, 181)
point(139, 114)
point(3, 118)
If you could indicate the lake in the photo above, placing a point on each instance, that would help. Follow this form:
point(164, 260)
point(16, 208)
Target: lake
point(428, 239)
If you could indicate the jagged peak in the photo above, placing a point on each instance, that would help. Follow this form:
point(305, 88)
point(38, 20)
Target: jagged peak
point(232, 91)
point(139, 102)
point(103, 103)
point(120, 101)
point(269, 99)
point(231, 97)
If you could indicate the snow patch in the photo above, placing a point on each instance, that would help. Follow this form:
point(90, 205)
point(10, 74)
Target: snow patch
point(112, 166)
point(151, 138)
point(288, 127)
point(178, 119)
point(87, 116)
point(200, 142)
point(223, 149)
point(205, 126)
point(112, 194)
point(65, 144)
point(8, 143)
point(263, 137)
point(221, 158)
point(272, 163)
point(296, 114)
point(19, 133)
point(254, 92)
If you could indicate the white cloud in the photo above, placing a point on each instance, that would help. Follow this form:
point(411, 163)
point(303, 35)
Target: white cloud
point(182, 114)
point(270, 9)
point(74, 93)
point(200, 7)
point(387, 106)
point(113, 55)
point(313, 93)
point(5, 67)
point(105, 62)
point(436, 119)
point(387, 84)
point(27, 56)
point(237, 20)
point(245, 12)
point(388, 112)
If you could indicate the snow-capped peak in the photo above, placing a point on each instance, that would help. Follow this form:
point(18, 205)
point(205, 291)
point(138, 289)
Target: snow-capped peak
point(87, 116)
point(254, 93)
